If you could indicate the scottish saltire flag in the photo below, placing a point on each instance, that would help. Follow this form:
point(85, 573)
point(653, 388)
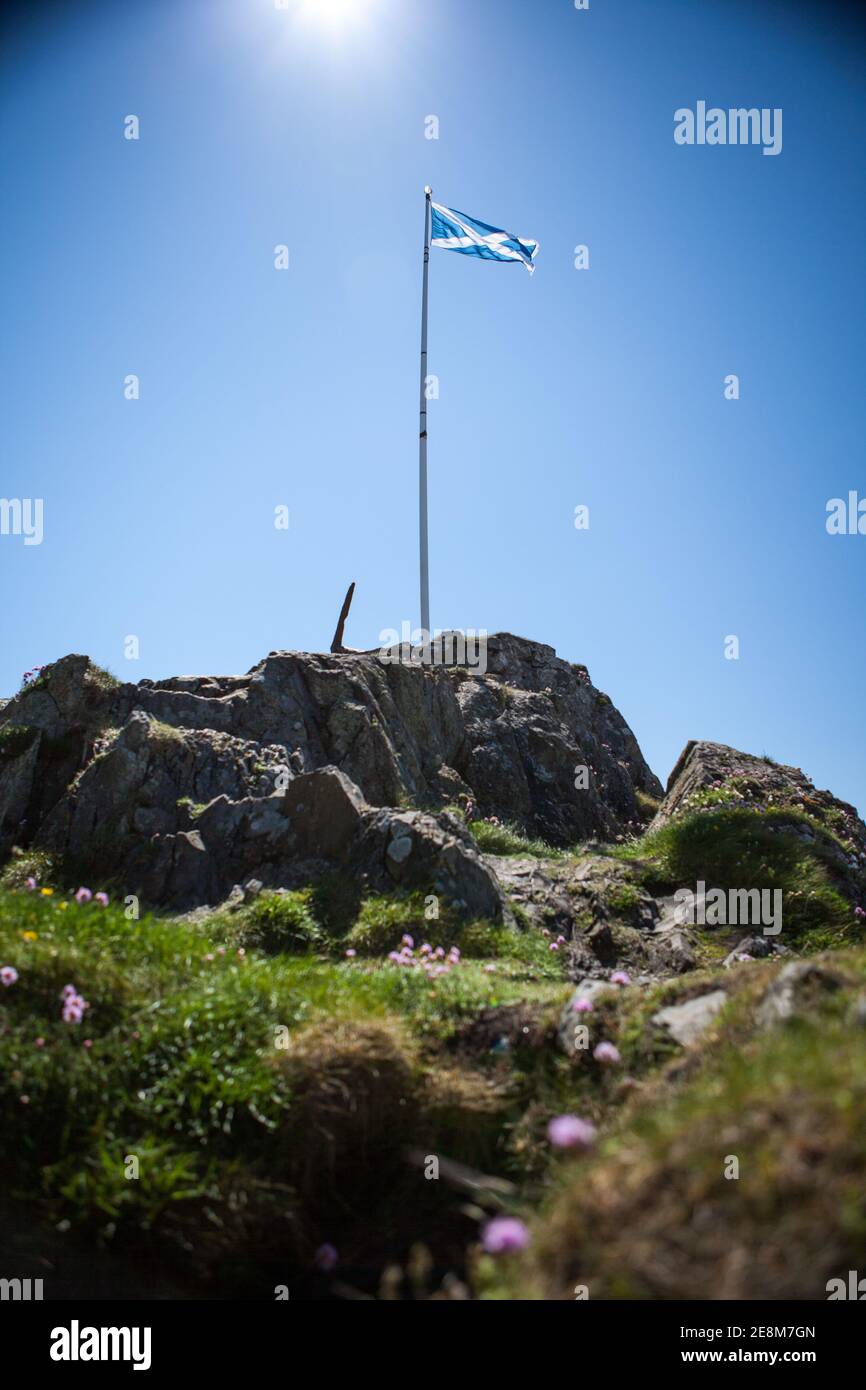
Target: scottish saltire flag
point(454, 231)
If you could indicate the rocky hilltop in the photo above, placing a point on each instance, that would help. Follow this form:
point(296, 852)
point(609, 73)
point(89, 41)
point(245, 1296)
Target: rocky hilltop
point(330, 920)
point(182, 788)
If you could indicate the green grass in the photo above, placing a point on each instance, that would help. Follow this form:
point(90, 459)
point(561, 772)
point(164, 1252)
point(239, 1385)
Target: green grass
point(734, 847)
point(103, 678)
point(190, 1064)
point(507, 839)
point(275, 923)
point(15, 739)
point(268, 1090)
point(652, 1215)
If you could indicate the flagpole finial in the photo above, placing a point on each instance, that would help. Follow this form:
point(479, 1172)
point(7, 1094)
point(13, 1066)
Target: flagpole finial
point(427, 189)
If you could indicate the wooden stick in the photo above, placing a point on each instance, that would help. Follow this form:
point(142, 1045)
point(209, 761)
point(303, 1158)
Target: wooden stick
point(337, 644)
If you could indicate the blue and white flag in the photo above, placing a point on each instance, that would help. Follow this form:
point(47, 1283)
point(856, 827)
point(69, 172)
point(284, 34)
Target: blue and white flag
point(454, 231)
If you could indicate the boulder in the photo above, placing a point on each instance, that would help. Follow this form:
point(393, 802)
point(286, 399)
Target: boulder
point(797, 988)
point(687, 1022)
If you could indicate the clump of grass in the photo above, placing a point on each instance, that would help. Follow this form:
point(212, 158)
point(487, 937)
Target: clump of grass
point(166, 733)
point(493, 838)
point(45, 868)
point(276, 922)
point(742, 848)
point(647, 805)
point(622, 899)
point(15, 739)
point(102, 678)
point(383, 920)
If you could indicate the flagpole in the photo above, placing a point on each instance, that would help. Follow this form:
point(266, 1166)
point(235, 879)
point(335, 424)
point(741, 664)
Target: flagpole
point(422, 440)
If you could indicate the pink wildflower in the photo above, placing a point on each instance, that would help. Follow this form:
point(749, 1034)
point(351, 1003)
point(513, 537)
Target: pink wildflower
point(503, 1235)
point(83, 895)
point(607, 1053)
point(570, 1132)
point(8, 975)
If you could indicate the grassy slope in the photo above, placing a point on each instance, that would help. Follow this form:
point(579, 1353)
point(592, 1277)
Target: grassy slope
point(281, 1097)
point(656, 1212)
point(261, 1092)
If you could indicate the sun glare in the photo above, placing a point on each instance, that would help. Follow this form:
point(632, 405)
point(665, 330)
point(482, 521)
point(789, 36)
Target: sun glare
point(334, 12)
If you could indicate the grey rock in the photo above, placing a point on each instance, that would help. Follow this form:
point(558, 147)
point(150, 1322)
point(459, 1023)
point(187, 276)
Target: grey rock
point(758, 947)
point(858, 1012)
point(797, 988)
point(510, 737)
point(686, 1023)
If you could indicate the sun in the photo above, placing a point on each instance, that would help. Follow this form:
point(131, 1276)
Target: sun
point(334, 12)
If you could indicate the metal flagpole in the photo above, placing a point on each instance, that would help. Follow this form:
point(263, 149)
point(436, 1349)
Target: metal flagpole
point(422, 442)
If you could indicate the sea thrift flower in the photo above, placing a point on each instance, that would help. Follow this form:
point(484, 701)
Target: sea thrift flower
point(325, 1257)
point(88, 1042)
point(503, 1235)
point(30, 885)
point(554, 946)
point(83, 895)
point(69, 991)
point(858, 912)
point(72, 1012)
point(426, 949)
point(620, 977)
point(407, 940)
point(607, 1053)
point(39, 1042)
point(582, 1006)
point(8, 975)
point(351, 952)
point(101, 898)
point(570, 1132)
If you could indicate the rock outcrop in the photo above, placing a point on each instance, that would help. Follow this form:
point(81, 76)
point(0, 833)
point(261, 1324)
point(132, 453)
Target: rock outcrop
point(181, 787)
point(742, 780)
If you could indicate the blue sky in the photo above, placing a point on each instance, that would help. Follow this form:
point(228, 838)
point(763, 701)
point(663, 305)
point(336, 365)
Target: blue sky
point(603, 387)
